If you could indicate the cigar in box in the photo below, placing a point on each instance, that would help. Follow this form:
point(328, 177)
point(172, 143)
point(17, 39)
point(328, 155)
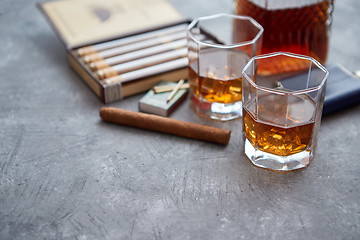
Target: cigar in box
point(141, 63)
point(140, 30)
point(157, 103)
point(133, 46)
point(146, 66)
point(147, 71)
point(131, 39)
point(165, 125)
point(142, 53)
point(105, 63)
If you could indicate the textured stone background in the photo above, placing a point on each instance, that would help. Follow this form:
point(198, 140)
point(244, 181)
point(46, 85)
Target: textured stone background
point(64, 174)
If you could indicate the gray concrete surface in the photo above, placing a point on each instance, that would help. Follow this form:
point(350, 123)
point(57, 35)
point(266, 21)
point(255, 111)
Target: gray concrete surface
point(64, 174)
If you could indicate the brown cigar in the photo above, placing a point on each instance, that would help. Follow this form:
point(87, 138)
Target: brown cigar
point(165, 125)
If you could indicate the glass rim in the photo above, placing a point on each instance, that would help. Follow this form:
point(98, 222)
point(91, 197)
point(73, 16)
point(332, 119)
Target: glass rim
point(225, 46)
point(279, 91)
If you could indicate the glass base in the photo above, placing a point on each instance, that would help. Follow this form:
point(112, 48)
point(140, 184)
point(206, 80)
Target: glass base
point(277, 163)
point(217, 111)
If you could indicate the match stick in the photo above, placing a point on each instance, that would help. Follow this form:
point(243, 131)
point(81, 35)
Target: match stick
point(175, 90)
point(168, 88)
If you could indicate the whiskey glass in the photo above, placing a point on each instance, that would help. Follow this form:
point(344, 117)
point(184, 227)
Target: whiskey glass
point(282, 112)
point(216, 62)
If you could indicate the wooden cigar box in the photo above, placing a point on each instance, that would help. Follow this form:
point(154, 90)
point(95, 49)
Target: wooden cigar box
point(83, 23)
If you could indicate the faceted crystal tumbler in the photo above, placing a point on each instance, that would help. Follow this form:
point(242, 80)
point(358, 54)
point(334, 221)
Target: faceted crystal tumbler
point(216, 62)
point(282, 113)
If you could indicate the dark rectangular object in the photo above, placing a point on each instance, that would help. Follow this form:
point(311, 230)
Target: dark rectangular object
point(342, 89)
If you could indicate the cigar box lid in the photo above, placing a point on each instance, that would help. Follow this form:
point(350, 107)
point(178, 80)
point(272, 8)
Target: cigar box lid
point(82, 22)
